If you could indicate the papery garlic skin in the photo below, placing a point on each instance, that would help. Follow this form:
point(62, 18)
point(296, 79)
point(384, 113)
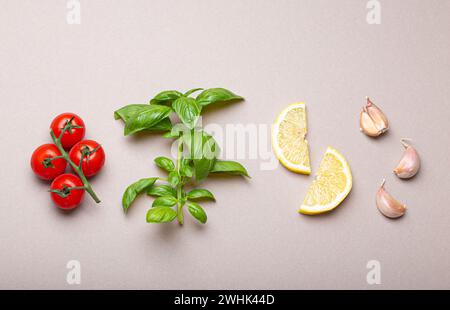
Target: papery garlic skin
point(372, 120)
point(387, 205)
point(409, 165)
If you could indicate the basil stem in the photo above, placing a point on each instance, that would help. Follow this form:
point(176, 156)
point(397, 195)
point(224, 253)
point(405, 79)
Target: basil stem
point(180, 215)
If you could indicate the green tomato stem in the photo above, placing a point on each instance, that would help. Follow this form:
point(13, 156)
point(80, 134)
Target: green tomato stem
point(55, 158)
point(76, 168)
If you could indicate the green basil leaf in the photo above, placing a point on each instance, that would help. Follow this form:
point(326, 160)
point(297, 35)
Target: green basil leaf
point(186, 170)
point(135, 189)
point(229, 167)
point(171, 134)
point(146, 118)
point(166, 97)
point(197, 212)
point(164, 125)
point(186, 162)
point(176, 131)
point(204, 164)
point(200, 193)
point(202, 168)
point(129, 111)
point(161, 215)
point(187, 110)
point(174, 178)
point(162, 190)
point(165, 201)
point(165, 163)
point(203, 150)
point(214, 95)
point(191, 91)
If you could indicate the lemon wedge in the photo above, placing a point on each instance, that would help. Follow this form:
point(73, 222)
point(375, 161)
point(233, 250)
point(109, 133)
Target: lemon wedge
point(288, 138)
point(332, 184)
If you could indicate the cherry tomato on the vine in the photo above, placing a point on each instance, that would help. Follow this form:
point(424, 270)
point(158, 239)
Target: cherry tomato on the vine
point(93, 156)
point(74, 134)
point(66, 192)
point(44, 166)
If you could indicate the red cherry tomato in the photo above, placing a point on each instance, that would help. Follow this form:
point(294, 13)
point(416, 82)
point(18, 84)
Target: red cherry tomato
point(93, 158)
point(72, 135)
point(63, 194)
point(43, 166)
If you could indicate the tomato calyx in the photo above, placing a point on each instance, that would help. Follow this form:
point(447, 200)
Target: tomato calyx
point(69, 126)
point(86, 153)
point(66, 190)
point(48, 162)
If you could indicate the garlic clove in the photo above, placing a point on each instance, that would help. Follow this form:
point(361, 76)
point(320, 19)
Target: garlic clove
point(373, 122)
point(377, 115)
point(387, 204)
point(367, 125)
point(409, 164)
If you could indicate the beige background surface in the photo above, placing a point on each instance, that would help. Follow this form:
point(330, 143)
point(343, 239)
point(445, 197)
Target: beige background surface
point(273, 53)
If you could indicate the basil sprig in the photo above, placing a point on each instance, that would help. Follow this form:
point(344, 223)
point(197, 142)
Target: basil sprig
point(197, 155)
